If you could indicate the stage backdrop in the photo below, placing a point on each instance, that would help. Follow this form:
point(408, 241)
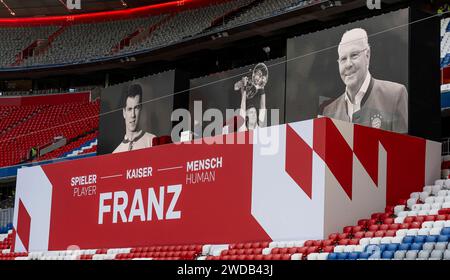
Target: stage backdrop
point(218, 91)
point(157, 99)
point(310, 179)
point(313, 77)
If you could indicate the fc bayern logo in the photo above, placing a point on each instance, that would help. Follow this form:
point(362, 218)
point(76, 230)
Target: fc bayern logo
point(376, 121)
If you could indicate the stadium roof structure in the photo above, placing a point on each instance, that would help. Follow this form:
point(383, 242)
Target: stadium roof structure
point(40, 8)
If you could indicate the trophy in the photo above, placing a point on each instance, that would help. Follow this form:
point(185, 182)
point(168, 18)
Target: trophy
point(258, 80)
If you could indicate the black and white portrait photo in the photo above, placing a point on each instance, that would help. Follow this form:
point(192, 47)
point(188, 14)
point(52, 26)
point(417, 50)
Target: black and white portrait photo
point(135, 113)
point(253, 98)
point(135, 138)
point(356, 72)
point(366, 100)
point(251, 91)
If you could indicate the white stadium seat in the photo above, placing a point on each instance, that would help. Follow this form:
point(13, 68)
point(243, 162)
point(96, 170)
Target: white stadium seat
point(423, 196)
point(400, 254)
point(411, 254)
point(437, 254)
point(424, 254)
point(399, 220)
point(423, 231)
point(312, 256)
point(398, 209)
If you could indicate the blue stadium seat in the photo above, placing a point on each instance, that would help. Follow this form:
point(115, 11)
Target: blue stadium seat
point(408, 240)
point(364, 256)
point(443, 238)
point(420, 239)
point(383, 247)
point(416, 246)
point(392, 247)
point(353, 256)
point(332, 256)
point(404, 246)
point(387, 255)
point(432, 238)
point(445, 231)
point(342, 256)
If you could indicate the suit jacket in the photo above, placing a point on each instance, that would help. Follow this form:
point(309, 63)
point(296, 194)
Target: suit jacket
point(385, 106)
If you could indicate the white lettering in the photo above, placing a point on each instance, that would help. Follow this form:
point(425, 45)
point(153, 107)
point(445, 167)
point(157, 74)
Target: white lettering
point(122, 212)
point(139, 173)
point(137, 207)
point(83, 180)
point(204, 164)
point(154, 203)
point(176, 190)
point(120, 208)
point(103, 208)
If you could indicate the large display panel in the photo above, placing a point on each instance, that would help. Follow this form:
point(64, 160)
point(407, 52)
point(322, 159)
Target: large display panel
point(307, 180)
point(355, 72)
point(135, 112)
point(222, 91)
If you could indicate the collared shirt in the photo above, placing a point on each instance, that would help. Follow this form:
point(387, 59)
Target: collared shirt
point(142, 140)
point(353, 107)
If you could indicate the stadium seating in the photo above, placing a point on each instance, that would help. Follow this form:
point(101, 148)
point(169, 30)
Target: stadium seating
point(384, 236)
point(81, 43)
point(25, 127)
point(18, 39)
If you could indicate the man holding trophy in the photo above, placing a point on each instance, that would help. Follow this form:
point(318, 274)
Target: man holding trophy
point(251, 90)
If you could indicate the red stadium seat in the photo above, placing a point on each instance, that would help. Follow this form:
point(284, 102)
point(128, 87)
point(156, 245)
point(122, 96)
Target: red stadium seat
point(415, 225)
point(343, 236)
point(258, 257)
point(419, 219)
point(441, 217)
point(333, 236)
point(347, 229)
point(404, 226)
point(374, 228)
point(354, 241)
point(363, 222)
point(318, 243)
point(359, 234)
point(430, 218)
point(390, 233)
point(328, 249)
point(344, 241)
point(383, 227)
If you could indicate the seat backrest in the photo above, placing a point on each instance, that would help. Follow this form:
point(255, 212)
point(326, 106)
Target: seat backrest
point(424, 254)
point(411, 254)
point(447, 255)
point(399, 255)
point(440, 246)
point(437, 254)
